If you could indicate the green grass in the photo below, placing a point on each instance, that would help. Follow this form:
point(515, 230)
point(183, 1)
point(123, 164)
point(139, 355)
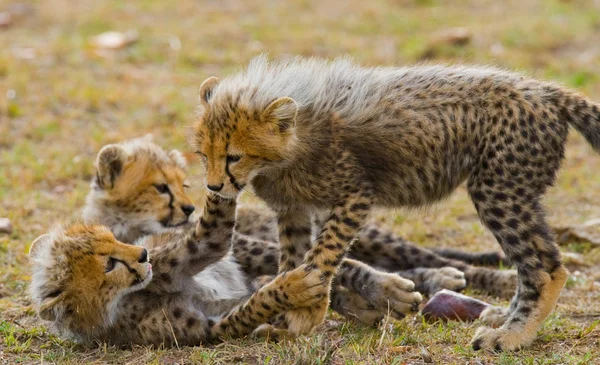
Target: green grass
point(70, 100)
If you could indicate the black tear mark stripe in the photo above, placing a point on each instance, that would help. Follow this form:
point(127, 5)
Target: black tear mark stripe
point(232, 179)
point(138, 279)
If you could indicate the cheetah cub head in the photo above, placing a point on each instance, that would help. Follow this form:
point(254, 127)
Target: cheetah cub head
point(237, 137)
point(138, 189)
point(79, 274)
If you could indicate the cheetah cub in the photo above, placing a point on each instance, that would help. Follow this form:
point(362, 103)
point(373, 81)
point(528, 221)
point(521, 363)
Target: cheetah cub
point(138, 189)
point(95, 288)
point(308, 135)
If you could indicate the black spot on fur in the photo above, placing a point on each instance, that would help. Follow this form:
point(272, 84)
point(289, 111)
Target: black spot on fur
point(177, 312)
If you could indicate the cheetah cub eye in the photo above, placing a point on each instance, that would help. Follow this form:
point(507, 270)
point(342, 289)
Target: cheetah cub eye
point(233, 158)
point(110, 265)
point(162, 188)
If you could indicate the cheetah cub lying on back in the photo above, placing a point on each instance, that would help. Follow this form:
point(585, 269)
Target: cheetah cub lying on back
point(312, 135)
point(95, 288)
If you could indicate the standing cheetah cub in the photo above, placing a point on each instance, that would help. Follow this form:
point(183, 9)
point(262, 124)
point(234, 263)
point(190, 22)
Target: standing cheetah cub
point(311, 134)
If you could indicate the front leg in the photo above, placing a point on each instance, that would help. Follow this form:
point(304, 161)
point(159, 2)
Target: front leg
point(295, 237)
point(256, 257)
point(289, 290)
point(340, 230)
point(206, 244)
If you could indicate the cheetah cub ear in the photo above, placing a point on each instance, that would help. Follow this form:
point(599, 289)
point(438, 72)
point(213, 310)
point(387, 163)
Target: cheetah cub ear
point(109, 165)
point(178, 159)
point(206, 89)
point(282, 112)
point(38, 244)
point(47, 294)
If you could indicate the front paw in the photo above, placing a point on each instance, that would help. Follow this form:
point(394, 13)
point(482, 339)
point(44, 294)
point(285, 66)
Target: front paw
point(270, 332)
point(500, 339)
point(394, 295)
point(304, 287)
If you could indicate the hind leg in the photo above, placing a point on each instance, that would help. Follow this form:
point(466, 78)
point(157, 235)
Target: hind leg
point(516, 219)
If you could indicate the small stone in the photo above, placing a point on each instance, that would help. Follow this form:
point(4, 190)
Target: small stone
point(5, 226)
point(6, 20)
point(114, 40)
point(453, 36)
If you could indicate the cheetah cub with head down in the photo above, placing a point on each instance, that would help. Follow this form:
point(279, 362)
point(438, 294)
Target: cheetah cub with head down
point(308, 134)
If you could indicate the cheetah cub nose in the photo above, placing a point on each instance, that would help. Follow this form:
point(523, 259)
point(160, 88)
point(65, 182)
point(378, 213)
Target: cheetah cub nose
point(215, 188)
point(143, 257)
point(188, 209)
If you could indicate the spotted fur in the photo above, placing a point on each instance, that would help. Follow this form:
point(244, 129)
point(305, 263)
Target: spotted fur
point(310, 134)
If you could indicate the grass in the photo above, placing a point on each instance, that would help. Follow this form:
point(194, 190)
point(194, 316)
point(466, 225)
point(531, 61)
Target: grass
point(58, 108)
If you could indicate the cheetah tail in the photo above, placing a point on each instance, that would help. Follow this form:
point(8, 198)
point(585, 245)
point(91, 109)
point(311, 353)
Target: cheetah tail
point(584, 116)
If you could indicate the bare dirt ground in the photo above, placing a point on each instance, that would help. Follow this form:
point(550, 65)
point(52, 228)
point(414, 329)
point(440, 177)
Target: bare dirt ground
point(61, 99)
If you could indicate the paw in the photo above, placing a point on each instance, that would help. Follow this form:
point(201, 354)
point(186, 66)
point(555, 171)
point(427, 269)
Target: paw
point(500, 339)
point(367, 316)
point(494, 316)
point(354, 307)
point(445, 278)
point(394, 295)
point(304, 287)
point(303, 321)
point(267, 331)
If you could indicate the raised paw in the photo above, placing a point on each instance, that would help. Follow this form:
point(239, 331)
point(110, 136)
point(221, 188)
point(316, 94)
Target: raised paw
point(393, 295)
point(494, 316)
point(500, 339)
